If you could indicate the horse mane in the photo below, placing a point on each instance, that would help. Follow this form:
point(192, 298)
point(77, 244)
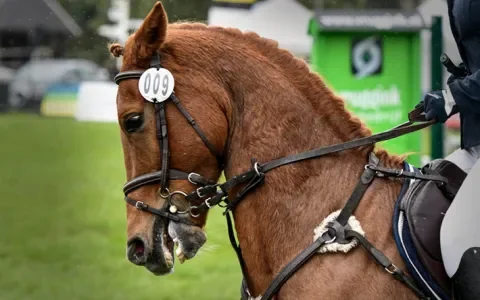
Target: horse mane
point(309, 83)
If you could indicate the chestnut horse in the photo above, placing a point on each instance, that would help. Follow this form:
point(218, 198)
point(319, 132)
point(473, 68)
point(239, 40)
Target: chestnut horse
point(251, 100)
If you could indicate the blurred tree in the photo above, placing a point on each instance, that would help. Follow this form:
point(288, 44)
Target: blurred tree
point(89, 14)
point(176, 9)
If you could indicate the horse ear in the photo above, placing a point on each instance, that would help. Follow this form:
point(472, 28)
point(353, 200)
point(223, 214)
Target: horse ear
point(151, 34)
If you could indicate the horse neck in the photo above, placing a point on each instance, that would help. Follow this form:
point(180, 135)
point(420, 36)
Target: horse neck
point(280, 109)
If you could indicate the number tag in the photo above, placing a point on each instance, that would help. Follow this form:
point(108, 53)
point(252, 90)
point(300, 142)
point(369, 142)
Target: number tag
point(156, 85)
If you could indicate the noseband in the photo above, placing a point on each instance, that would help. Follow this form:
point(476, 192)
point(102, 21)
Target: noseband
point(163, 176)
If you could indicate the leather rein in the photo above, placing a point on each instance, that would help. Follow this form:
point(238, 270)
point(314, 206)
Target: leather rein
point(211, 193)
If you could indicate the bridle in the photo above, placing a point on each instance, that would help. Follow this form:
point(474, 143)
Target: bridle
point(163, 176)
point(212, 194)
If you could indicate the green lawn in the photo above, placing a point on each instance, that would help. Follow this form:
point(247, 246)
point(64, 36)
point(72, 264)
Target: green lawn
point(62, 221)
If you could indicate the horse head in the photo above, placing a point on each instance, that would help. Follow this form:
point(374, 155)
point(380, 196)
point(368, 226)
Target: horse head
point(151, 237)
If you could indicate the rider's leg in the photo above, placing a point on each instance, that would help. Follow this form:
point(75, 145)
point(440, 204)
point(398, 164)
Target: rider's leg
point(460, 231)
point(465, 158)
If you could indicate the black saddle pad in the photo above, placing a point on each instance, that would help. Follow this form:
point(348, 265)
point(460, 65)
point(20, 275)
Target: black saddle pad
point(417, 219)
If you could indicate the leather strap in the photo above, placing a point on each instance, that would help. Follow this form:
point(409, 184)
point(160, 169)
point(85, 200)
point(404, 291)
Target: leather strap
point(200, 133)
point(152, 178)
point(233, 242)
point(134, 74)
point(162, 133)
point(293, 266)
point(163, 213)
point(370, 140)
point(315, 153)
point(386, 172)
point(387, 265)
point(352, 203)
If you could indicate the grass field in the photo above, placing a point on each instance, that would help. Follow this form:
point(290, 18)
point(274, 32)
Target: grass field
point(62, 221)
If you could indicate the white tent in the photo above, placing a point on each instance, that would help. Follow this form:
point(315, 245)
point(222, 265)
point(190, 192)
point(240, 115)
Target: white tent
point(285, 21)
point(97, 102)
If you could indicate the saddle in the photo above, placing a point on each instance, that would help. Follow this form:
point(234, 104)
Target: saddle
point(418, 215)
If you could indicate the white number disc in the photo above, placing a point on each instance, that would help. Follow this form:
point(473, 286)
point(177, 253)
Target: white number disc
point(156, 85)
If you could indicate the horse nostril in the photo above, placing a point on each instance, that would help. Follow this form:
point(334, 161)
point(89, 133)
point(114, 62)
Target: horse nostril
point(136, 251)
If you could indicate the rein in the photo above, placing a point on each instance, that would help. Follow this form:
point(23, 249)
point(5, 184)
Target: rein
point(212, 193)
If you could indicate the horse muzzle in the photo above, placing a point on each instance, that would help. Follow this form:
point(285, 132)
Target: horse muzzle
point(155, 253)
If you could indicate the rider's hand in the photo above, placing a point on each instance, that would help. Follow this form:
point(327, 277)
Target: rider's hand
point(438, 105)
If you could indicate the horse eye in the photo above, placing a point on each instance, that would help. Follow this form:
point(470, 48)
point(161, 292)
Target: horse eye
point(133, 122)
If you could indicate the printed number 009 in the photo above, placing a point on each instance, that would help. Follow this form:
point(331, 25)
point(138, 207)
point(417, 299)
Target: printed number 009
point(156, 84)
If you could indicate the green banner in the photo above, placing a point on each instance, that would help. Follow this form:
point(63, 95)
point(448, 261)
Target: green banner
point(377, 72)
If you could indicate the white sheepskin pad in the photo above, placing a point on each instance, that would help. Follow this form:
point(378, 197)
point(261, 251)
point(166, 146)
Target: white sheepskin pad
point(335, 247)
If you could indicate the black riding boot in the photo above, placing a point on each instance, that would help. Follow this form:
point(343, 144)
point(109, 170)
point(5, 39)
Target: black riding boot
point(466, 281)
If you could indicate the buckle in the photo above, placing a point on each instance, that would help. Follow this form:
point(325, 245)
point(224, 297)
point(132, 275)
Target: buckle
point(189, 177)
point(199, 192)
point(392, 269)
point(140, 205)
point(207, 203)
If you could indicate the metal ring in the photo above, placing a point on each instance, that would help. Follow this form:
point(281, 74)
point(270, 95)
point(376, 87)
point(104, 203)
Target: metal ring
point(255, 167)
point(401, 173)
point(139, 205)
point(191, 212)
point(174, 193)
point(190, 180)
point(332, 240)
point(178, 192)
point(163, 195)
